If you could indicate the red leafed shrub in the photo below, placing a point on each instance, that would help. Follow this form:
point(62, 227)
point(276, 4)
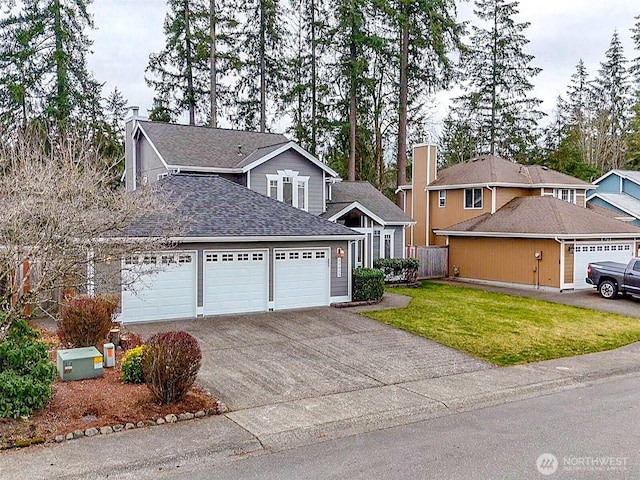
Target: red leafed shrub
point(86, 321)
point(170, 363)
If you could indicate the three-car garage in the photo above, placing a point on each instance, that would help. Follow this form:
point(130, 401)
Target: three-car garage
point(186, 284)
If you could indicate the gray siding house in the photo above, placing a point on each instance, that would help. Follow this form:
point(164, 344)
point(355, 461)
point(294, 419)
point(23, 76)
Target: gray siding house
point(267, 226)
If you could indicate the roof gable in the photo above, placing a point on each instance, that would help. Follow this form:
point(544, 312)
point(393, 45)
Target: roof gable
point(366, 198)
point(632, 175)
point(204, 149)
point(492, 170)
point(215, 208)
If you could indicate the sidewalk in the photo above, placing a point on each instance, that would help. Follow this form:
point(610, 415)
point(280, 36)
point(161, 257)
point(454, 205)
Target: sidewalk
point(141, 453)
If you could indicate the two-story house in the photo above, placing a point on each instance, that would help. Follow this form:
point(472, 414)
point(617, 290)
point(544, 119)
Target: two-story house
point(619, 192)
point(260, 229)
point(504, 222)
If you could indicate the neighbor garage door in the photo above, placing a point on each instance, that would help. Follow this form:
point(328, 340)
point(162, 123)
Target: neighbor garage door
point(168, 292)
point(235, 281)
point(301, 278)
point(586, 253)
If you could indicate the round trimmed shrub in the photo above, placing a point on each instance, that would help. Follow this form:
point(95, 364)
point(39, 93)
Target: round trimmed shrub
point(170, 364)
point(131, 366)
point(86, 321)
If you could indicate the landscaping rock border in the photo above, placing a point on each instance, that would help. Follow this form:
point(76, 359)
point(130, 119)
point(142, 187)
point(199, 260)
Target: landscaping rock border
point(169, 418)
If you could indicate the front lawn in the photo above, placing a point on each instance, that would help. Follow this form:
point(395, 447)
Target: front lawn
point(505, 329)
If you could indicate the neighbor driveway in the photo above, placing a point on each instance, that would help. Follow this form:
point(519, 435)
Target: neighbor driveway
point(263, 359)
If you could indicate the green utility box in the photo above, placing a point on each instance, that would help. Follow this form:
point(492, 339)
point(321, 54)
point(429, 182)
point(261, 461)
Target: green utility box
point(79, 363)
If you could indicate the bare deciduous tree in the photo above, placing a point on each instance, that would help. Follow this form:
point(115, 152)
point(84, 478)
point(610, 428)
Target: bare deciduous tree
point(61, 216)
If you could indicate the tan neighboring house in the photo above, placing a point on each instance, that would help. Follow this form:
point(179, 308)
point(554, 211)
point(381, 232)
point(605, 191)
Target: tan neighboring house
point(504, 222)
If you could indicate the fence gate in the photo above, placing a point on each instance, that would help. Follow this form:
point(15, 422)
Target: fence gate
point(434, 262)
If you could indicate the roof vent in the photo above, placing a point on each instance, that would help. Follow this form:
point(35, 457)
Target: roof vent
point(545, 168)
point(239, 149)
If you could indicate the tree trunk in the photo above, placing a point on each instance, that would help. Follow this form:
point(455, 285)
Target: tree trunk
point(189, 65)
point(353, 106)
point(313, 79)
point(62, 101)
point(212, 63)
point(494, 80)
point(402, 110)
point(263, 82)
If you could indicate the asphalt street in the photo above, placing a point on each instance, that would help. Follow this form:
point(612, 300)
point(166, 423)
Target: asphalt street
point(583, 433)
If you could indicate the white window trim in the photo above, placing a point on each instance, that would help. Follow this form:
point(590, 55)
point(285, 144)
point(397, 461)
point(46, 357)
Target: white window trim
point(442, 198)
point(381, 243)
point(464, 199)
point(296, 182)
point(557, 193)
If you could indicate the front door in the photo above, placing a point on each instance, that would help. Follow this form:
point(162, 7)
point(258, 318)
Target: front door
point(357, 253)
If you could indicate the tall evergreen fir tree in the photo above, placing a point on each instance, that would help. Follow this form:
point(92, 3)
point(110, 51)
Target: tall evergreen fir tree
point(612, 96)
point(46, 43)
point(633, 138)
point(428, 33)
point(498, 72)
point(181, 71)
point(260, 75)
point(222, 56)
point(307, 86)
point(635, 64)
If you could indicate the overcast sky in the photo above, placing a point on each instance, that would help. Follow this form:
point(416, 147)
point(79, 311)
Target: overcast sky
point(561, 32)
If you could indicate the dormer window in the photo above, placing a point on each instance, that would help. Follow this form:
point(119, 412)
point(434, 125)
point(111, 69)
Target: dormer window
point(565, 194)
point(289, 187)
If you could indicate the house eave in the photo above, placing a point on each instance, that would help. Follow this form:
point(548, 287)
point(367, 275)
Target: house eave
point(510, 185)
point(246, 239)
point(635, 216)
point(562, 236)
point(189, 168)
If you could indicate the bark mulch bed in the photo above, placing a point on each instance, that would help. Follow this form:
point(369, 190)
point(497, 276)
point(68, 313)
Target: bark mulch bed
point(97, 402)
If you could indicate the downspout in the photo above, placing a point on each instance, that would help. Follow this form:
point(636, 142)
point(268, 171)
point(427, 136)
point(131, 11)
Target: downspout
point(427, 233)
point(494, 201)
point(562, 253)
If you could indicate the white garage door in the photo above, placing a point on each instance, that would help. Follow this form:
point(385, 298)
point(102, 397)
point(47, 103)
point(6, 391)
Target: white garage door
point(235, 281)
point(586, 253)
point(168, 292)
point(301, 278)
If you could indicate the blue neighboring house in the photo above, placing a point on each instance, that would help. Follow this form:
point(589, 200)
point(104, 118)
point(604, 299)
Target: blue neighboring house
point(618, 191)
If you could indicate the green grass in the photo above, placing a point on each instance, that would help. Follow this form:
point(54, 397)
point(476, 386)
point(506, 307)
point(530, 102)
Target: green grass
point(505, 329)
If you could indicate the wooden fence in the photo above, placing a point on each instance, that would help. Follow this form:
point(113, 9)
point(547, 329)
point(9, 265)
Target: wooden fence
point(434, 261)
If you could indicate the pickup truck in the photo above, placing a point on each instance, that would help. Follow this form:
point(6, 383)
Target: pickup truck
point(611, 278)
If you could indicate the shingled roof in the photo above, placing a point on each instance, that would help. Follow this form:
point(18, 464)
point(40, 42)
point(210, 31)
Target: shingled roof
point(492, 170)
point(542, 217)
point(344, 194)
point(189, 146)
point(212, 207)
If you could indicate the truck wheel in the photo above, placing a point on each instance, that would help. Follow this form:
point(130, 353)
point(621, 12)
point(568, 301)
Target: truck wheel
point(608, 289)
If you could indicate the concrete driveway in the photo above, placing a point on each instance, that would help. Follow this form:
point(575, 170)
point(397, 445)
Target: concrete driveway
point(268, 358)
point(588, 298)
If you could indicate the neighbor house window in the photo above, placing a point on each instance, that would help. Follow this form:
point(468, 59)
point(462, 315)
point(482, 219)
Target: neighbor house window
point(473, 198)
point(290, 188)
point(442, 198)
point(566, 194)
